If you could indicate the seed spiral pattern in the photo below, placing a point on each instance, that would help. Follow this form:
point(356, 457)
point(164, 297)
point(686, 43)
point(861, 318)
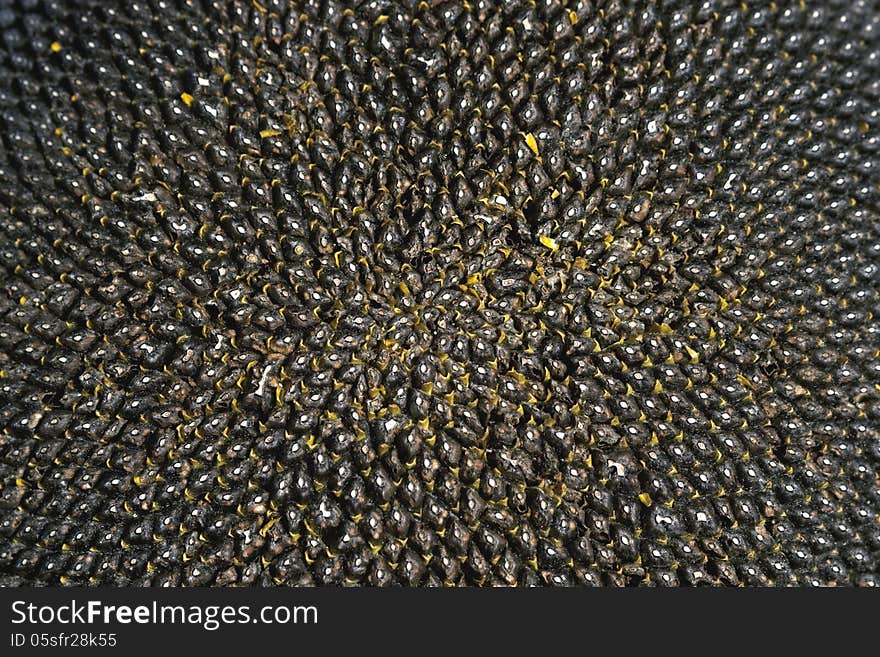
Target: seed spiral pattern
point(496, 292)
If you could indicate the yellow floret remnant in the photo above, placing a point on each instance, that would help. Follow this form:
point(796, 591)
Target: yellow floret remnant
point(549, 242)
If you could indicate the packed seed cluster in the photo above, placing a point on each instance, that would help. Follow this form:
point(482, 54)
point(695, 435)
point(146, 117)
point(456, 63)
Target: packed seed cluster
point(440, 293)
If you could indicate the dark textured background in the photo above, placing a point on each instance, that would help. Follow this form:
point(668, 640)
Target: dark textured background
point(439, 292)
